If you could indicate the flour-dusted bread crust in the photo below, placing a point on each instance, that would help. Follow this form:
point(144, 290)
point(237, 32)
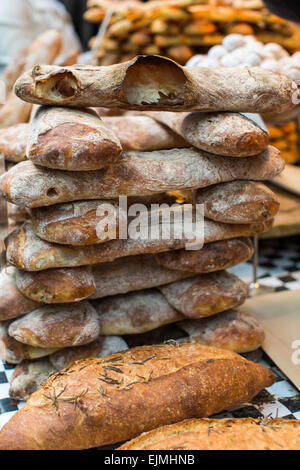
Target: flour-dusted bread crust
point(57, 326)
point(230, 134)
point(80, 222)
point(62, 285)
point(13, 141)
point(134, 313)
point(238, 202)
point(84, 406)
point(135, 174)
point(158, 83)
point(101, 347)
point(206, 294)
point(71, 139)
point(221, 434)
point(28, 376)
point(233, 330)
point(13, 351)
point(214, 256)
point(27, 251)
point(141, 132)
point(13, 303)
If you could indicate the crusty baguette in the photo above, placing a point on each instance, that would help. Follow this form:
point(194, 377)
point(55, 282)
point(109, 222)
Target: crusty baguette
point(136, 174)
point(26, 251)
point(143, 133)
point(13, 141)
point(71, 139)
point(206, 294)
point(157, 83)
point(101, 347)
point(28, 376)
point(134, 313)
point(13, 351)
point(221, 434)
point(212, 257)
point(238, 202)
point(13, 303)
point(84, 406)
point(57, 326)
point(233, 330)
point(230, 134)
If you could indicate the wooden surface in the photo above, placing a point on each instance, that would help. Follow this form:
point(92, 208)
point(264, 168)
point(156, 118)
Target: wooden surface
point(280, 315)
point(289, 179)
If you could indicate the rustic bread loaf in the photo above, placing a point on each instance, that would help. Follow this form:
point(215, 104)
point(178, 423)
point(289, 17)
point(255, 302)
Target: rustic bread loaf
point(101, 347)
point(71, 139)
point(27, 251)
point(60, 285)
point(230, 134)
point(57, 326)
point(221, 434)
point(213, 256)
point(13, 141)
point(136, 173)
point(84, 406)
point(234, 330)
point(13, 351)
point(135, 313)
point(28, 377)
point(13, 303)
point(238, 202)
point(80, 222)
point(143, 133)
point(206, 294)
point(158, 83)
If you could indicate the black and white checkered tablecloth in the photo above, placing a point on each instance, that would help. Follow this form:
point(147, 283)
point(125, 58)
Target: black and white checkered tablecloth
point(279, 268)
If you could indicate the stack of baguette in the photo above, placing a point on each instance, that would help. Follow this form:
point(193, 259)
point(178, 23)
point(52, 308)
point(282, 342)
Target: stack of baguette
point(75, 290)
point(181, 28)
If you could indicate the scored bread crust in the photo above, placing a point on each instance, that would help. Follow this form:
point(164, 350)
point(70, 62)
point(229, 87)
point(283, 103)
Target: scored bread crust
point(221, 434)
point(84, 405)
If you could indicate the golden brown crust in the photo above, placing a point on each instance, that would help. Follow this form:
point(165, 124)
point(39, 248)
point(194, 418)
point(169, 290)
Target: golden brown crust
point(26, 251)
point(13, 303)
point(71, 139)
point(238, 202)
point(233, 330)
point(221, 434)
point(13, 142)
point(153, 82)
point(206, 294)
point(84, 405)
point(229, 134)
point(213, 256)
point(135, 174)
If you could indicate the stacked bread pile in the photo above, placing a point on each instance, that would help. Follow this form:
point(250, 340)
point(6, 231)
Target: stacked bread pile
point(76, 289)
point(64, 255)
point(181, 28)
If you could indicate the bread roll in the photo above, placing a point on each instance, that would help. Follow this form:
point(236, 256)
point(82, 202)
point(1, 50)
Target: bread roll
point(221, 434)
point(135, 313)
point(29, 376)
point(71, 139)
point(230, 134)
point(206, 294)
point(238, 202)
point(26, 251)
point(13, 351)
point(57, 326)
point(137, 173)
point(13, 303)
point(101, 347)
point(234, 330)
point(143, 133)
point(84, 406)
point(13, 141)
point(212, 257)
point(158, 83)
